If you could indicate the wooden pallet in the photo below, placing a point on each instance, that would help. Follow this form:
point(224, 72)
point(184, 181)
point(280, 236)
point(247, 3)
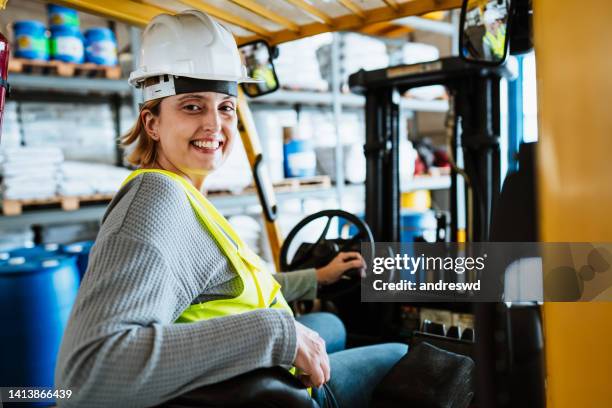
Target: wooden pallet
point(294, 88)
point(297, 183)
point(64, 69)
point(66, 203)
point(289, 184)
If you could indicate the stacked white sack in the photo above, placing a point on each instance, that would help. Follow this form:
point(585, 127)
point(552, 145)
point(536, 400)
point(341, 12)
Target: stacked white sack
point(363, 52)
point(30, 172)
point(414, 53)
point(83, 131)
point(357, 52)
point(297, 65)
point(11, 129)
point(79, 178)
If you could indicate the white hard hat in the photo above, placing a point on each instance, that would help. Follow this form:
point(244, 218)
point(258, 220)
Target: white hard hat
point(188, 52)
point(492, 15)
point(261, 54)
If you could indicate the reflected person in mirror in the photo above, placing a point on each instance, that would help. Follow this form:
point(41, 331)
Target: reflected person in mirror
point(494, 38)
point(263, 69)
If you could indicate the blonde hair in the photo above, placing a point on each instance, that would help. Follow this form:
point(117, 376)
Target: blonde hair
point(145, 150)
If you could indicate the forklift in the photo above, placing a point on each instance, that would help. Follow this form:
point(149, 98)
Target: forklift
point(510, 349)
point(473, 79)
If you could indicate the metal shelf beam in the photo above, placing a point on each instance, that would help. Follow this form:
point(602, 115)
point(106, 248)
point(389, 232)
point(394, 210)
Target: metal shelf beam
point(68, 84)
point(307, 98)
point(347, 100)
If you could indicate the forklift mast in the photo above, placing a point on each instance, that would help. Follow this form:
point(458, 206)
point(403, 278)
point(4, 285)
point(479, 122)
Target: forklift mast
point(475, 90)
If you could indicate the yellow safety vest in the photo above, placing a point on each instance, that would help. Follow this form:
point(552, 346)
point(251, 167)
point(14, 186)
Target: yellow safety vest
point(496, 42)
point(260, 289)
point(266, 74)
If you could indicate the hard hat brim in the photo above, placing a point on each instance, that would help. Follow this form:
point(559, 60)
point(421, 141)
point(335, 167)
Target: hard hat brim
point(137, 77)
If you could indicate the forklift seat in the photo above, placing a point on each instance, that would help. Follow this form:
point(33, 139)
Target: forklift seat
point(271, 387)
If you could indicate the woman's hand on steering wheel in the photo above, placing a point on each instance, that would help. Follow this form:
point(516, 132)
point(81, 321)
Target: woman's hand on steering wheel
point(344, 261)
point(311, 358)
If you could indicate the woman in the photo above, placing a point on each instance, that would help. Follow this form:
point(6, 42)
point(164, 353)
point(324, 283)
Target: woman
point(164, 255)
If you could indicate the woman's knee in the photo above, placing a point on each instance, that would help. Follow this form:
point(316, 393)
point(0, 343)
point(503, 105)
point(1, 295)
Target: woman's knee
point(395, 350)
point(356, 372)
point(384, 356)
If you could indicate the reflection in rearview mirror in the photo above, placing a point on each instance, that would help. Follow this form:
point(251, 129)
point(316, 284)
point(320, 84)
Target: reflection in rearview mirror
point(258, 61)
point(484, 37)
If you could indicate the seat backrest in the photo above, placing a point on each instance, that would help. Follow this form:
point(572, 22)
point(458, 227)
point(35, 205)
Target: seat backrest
point(515, 213)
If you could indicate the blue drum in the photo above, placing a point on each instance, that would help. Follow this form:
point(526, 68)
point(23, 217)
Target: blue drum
point(67, 44)
point(36, 297)
point(62, 16)
point(417, 224)
point(300, 159)
point(38, 251)
point(81, 251)
point(100, 46)
point(31, 40)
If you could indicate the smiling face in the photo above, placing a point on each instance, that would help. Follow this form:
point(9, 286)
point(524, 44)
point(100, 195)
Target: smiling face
point(194, 132)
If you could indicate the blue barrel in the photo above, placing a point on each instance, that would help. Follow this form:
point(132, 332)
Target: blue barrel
point(67, 44)
point(413, 224)
point(416, 224)
point(62, 16)
point(31, 40)
point(35, 252)
point(36, 297)
point(81, 251)
point(101, 46)
point(300, 159)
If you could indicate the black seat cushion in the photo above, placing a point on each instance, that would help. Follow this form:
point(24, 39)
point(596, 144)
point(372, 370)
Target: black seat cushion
point(427, 377)
point(262, 388)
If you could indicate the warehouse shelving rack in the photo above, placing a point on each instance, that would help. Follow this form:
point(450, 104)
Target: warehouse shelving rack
point(227, 203)
point(74, 85)
point(278, 22)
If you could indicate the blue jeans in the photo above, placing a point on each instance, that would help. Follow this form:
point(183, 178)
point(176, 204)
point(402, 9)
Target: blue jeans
point(354, 372)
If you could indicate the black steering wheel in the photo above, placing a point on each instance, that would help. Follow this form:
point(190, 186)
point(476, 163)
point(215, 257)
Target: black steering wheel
point(321, 252)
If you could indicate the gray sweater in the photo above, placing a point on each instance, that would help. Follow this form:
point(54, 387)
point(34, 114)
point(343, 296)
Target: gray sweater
point(151, 260)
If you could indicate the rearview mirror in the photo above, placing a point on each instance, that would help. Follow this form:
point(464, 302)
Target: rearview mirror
point(257, 58)
point(484, 31)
